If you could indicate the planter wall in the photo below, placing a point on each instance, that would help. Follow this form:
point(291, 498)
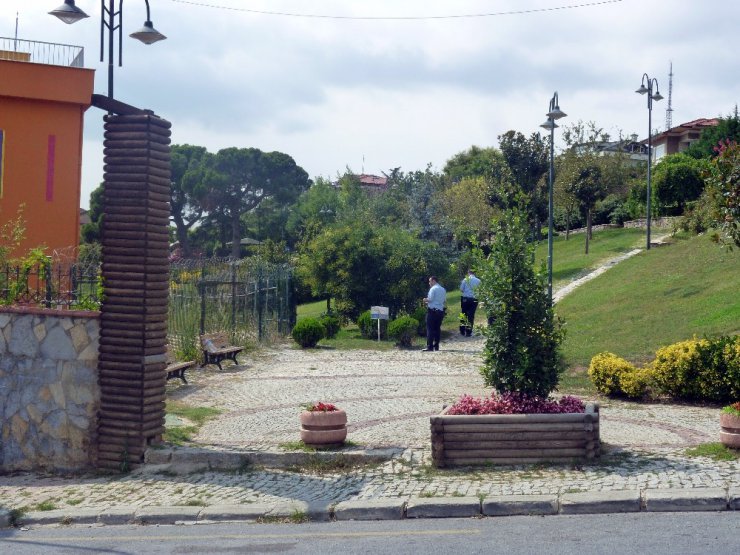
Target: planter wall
point(729, 435)
point(323, 428)
point(459, 440)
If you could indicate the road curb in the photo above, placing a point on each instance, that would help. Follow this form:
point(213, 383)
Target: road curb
point(650, 500)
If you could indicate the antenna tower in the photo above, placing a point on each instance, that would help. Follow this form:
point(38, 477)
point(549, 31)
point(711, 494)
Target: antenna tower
point(669, 110)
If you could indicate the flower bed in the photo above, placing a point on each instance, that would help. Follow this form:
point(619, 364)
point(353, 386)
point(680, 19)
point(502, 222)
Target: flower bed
point(465, 435)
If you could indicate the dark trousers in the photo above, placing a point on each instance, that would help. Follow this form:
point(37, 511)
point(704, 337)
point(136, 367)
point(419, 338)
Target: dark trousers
point(434, 325)
point(467, 307)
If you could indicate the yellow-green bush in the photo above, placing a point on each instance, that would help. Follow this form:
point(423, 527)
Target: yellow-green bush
point(636, 383)
point(606, 371)
point(676, 368)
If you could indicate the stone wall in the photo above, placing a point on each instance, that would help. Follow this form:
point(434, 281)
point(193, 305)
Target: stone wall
point(49, 394)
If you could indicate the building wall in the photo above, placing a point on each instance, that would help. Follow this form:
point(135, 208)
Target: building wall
point(49, 393)
point(41, 119)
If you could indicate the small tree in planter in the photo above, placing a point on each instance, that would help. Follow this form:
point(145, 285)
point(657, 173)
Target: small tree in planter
point(523, 337)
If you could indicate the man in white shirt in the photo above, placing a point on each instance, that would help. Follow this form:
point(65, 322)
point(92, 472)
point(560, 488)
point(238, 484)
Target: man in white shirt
point(469, 302)
point(435, 302)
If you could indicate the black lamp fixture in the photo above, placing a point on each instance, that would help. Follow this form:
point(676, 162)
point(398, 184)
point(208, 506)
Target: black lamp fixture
point(646, 87)
point(554, 112)
point(110, 19)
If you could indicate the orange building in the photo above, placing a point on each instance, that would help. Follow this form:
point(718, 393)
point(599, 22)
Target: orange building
point(42, 104)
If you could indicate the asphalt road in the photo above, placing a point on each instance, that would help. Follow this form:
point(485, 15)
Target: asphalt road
point(656, 534)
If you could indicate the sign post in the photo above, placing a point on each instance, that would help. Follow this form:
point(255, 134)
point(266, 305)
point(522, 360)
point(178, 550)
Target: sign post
point(379, 313)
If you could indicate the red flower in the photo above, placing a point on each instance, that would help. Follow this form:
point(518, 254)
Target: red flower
point(321, 407)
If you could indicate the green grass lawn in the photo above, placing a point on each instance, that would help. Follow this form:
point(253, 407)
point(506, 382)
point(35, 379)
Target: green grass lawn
point(656, 298)
point(569, 260)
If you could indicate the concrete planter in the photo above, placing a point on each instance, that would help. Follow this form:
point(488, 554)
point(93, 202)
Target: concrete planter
point(729, 435)
point(459, 440)
point(323, 428)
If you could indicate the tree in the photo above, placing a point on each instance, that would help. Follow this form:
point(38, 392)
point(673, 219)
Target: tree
point(728, 128)
point(528, 160)
point(723, 184)
point(316, 208)
point(677, 179)
point(239, 179)
point(187, 190)
point(91, 232)
point(522, 341)
point(361, 266)
point(587, 187)
point(464, 209)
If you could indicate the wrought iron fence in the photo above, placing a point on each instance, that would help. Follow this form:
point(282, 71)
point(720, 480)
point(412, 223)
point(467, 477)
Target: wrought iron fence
point(51, 284)
point(19, 50)
point(250, 299)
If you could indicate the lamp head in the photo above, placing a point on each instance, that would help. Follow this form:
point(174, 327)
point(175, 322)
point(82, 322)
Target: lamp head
point(642, 90)
point(556, 113)
point(68, 12)
point(549, 124)
point(658, 96)
point(147, 34)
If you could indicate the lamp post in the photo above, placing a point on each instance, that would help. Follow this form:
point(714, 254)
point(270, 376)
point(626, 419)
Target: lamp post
point(110, 19)
point(646, 87)
point(554, 112)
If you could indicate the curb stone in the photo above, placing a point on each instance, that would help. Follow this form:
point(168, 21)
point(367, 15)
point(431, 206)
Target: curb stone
point(117, 515)
point(4, 518)
point(627, 501)
point(442, 507)
point(233, 512)
point(315, 510)
point(509, 505)
point(734, 499)
point(61, 516)
point(166, 515)
point(370, 509)
point(699, 499)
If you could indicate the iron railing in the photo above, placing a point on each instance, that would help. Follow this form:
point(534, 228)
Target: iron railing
point(51, 285)
point(38, 52)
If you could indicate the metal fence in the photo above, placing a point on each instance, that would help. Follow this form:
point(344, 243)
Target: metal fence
point(250, 299)
point(51, 285)
point(19, 50)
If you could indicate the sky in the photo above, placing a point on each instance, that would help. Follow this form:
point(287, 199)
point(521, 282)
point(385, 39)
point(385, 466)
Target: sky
point(375, 85)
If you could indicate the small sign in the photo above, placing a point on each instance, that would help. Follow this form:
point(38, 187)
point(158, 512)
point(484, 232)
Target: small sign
point(379, 312)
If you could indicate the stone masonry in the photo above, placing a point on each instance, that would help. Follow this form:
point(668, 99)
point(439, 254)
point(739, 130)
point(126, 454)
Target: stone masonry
point(49, 395)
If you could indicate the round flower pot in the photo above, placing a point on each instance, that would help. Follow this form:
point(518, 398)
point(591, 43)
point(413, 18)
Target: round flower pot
point(323, 428)
point(729, 435)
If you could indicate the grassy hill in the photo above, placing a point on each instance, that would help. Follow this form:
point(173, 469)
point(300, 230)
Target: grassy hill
point(689, 287)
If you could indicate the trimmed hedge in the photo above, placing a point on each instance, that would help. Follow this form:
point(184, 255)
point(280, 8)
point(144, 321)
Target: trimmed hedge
point(403, 330)
point(308, 332)
point(369, 327)
point(331, 324)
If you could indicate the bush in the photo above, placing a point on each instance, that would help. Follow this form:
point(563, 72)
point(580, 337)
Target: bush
point(636, 383)
point(420, 315)
point(403, 330)
point(308, 332)
point(522, 344)
point(607, 371)
point(516, 403)
point(700, 369)
point(331, 324)
point(369, 327)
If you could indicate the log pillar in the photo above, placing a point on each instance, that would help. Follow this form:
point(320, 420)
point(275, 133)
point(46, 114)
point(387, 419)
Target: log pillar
point(133, 322)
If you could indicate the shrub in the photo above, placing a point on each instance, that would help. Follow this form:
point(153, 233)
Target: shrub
point(369, 327)
point(522, 344)
point(606, 372)
point(403, 330)
point(331, 324)
point(676, 368)
point(308, 332)
point(420, 315)
point(636, 383)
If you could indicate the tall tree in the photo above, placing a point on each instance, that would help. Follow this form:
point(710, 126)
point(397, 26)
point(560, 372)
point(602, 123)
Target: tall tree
point(528, 160)
point(239, 179)
point(588, 187)
point(91, 232)
point(677, 179)
point(187, 189)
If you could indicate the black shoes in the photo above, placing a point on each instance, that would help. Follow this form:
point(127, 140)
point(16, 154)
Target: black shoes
point(428, 349)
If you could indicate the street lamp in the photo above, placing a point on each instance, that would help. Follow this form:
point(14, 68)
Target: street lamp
point(650, 97)
point(69, 13)
point(554, 112)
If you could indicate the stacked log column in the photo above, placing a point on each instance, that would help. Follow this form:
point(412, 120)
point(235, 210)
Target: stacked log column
point(133, 331)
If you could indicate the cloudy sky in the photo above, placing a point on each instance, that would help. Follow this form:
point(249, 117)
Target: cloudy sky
point(381, 84)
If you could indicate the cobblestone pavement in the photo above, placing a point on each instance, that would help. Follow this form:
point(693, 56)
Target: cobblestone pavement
point(389, 397)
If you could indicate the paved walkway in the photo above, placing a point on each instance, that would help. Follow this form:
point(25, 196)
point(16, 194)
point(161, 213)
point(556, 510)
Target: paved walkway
point(388, 397)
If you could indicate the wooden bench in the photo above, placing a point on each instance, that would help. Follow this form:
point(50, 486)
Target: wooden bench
point(216, 348)
point(176, 369)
